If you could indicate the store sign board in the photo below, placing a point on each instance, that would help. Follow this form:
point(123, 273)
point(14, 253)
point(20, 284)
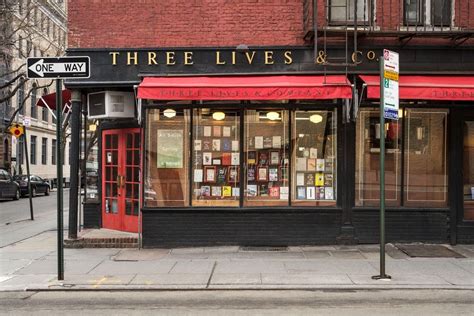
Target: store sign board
point(170, 148)
point(390, 84)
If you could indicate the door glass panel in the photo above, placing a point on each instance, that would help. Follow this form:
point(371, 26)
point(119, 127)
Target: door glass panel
point(468, 170)
point(129, 157)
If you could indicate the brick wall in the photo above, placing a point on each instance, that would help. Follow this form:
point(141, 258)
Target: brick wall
point(185, 23)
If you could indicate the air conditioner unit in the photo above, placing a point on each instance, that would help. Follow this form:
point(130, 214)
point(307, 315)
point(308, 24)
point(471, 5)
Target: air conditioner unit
point(111, 105)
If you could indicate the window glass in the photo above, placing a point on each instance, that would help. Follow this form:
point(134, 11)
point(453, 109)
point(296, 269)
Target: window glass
point(166, 158)
point(266, 158)
point(314, 158)
point(468, 170)
point(426, 180)
point(33, 150)
point(216, 157)
point(367, 175)
point(343, 10)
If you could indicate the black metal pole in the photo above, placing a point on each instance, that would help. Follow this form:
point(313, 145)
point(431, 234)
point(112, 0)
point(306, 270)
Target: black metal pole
point(59, 179)
point(30, 197)
point(74, 162)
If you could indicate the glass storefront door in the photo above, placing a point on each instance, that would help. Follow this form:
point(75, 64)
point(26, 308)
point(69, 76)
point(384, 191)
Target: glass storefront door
point(468, 169)
point(120, 179)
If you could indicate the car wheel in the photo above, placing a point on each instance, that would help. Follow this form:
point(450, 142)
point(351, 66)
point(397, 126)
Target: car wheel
point(33, 192)
point(17, 195)
point(47, 191)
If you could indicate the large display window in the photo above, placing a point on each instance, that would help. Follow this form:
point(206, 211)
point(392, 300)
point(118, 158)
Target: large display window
point(415, 158)
point(167, 155)
point(266, 158)
point(216, 157)
point(314, 158)
point(222, 155)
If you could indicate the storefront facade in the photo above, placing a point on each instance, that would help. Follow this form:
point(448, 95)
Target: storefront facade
point(258, 142)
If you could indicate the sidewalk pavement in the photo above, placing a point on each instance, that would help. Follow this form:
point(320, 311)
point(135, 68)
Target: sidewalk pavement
point(32, 265)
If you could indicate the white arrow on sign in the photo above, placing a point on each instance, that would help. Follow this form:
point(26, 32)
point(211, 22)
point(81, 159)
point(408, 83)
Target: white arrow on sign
point(40, 68)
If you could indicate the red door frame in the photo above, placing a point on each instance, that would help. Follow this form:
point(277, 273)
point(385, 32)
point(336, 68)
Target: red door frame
point(119, 187)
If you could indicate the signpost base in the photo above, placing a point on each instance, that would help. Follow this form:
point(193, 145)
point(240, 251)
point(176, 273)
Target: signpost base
point(384, 277)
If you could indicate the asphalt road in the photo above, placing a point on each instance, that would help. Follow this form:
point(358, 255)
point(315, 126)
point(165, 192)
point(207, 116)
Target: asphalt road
point(15, 223)
point(291, 302)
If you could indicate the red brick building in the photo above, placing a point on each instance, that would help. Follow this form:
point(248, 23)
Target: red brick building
point(250, 124)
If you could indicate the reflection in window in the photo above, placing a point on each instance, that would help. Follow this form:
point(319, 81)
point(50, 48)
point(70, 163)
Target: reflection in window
point(426, 182)
point(266, 158)
point(343, 10)
point(368, 160)
point(314, 158)
point(166, 158)
point(216, 157)
point(468, 170)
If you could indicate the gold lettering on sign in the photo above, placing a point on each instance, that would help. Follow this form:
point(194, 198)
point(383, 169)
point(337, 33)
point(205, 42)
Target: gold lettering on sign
point(269, 58)
point(114, 57)
point(233, 58)
point(170, 58)
point(250, 57)
point(288, 58)
point(130, 58)
point(371, 55)
point(355, 56)
point(152, 58)
point(218, 59)
point(188, 58)
point(321, 59)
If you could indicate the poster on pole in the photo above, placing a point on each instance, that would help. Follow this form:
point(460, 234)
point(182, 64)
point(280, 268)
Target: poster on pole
point(390, 84)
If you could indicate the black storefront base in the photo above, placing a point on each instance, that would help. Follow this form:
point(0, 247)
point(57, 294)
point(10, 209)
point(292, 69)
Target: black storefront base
point(180, 227)
point(92, 215)
point(402, 225)
point(245, 227)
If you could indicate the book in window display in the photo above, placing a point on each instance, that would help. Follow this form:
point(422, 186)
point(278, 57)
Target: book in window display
point(206, 158)
point(206, 191)
point(235, 145)
point(328, 167)
point(274, 157)
point(313, 153)
point(207, 131)
point(236, 191)
point(275, 192)
point(319, 179)
point(226, 145)
point(310, 193)
point(258, 142)
point(252, 190)
point(226, 159)
point(226, 131)
point(221, 175)
point(267, 142)
point(311, 164)
point(198, 175)
point(284, 173)
point(301, 164)
point(217, 131)
point(233, 174)
point(226, 191)
point(216, 191)
point(276, 142)
point(320, 165)
point(273, 174)
point(328, 193)
point(328, 180)
point(206, 144)
point(300, 179)
point(252, 157)
point(209, 174)
point(262, 174)
point(301, 193)
point(262, 158)
point(216, 161)
point(198, 159)
point(251, 173)
point(263, 189)
point(309, 179)
point(216, 145)
point(284, 193)
point(197, 145)
point(235, 159)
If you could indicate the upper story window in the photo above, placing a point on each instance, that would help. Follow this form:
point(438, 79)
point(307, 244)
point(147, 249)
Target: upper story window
point(342, 11)
point(428, 12)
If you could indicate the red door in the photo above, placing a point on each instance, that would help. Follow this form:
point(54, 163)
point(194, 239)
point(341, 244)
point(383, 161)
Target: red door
point(121, 179)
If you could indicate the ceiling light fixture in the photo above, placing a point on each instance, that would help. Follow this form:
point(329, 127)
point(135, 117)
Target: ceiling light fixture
point(218, 116)
point(169, 113)
point(273, 116)
point(316, 118)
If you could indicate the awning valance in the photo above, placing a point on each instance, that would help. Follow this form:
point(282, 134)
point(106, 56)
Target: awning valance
point(245, 88)
point(447, 88)
point(49, 100)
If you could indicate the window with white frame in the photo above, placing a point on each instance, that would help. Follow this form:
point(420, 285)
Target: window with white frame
point(342, 11)
point(428, 12)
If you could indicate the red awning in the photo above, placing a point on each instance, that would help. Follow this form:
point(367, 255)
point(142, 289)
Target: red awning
point(426, 87)
point(50, 99)
point(245, 88)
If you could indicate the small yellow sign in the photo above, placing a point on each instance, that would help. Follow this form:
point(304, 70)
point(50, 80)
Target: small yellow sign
point(17, 130)
point(392, 75)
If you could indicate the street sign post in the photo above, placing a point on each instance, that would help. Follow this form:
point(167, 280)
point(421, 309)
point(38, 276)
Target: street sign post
point(58, 67)
point(70, 67)
point(389, 74)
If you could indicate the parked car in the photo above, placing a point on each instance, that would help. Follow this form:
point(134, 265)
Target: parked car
point(9, 189)
point(38, 185)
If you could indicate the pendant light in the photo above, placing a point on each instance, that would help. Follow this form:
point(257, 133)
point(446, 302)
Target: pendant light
point(218, 116)
point(169, 113)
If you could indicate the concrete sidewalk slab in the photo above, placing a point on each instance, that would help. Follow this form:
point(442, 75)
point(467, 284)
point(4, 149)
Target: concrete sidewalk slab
point(32, 264)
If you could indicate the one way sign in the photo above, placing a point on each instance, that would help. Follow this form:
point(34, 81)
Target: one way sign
point(58, 67)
